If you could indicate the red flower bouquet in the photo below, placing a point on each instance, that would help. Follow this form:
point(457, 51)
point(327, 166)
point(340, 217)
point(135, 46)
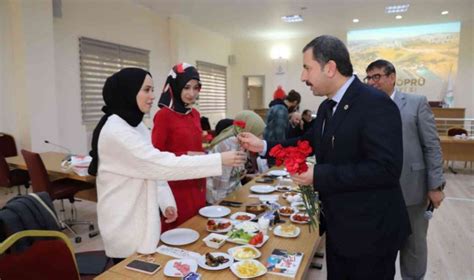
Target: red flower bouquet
point(294, 159)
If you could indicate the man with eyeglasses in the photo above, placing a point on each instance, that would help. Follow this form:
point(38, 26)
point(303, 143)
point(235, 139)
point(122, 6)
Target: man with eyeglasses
point(422, 177)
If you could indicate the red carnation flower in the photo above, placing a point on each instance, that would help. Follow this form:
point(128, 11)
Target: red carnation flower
point(294, 158)
point(240, 124)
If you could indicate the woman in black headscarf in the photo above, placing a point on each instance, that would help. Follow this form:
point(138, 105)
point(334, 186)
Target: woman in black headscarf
point(130, 172)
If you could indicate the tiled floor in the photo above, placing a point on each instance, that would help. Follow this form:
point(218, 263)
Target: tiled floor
point(450, 236)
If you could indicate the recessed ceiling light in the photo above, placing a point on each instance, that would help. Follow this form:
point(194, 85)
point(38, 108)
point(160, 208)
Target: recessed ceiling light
point(398, 17)
point(444, 13)
point(356, 20)
point(292, 18)
point(396, 9)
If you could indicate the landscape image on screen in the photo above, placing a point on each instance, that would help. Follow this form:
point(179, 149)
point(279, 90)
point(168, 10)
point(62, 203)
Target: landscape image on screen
point(425, 56)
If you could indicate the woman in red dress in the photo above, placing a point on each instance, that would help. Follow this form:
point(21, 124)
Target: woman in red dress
point(177, 129)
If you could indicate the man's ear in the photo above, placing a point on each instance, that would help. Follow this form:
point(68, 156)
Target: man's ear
point(330, 68)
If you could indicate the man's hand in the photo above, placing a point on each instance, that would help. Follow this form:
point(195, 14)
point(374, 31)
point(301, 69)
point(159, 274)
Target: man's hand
point(436, 197)
point(234, 158)
point(250, 142)
point(171, 214)
point(305, 178)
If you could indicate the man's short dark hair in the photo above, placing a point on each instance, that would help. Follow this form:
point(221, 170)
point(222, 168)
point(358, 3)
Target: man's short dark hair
point(305, 112)
point(386, 65)
point(293, 95)
point(326, 48)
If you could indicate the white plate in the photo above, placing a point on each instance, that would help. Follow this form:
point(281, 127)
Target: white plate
point(234, 250)
point(242, 242)
point(248, 226)
point(202, 261)
point(171, 271)
point(179, 236)
point(214, 211)
point(220, 221)
point(298, 222)
point(262, 189)
point(234, 216)
point(277, 231)
point(278, 173)
point(262, 269)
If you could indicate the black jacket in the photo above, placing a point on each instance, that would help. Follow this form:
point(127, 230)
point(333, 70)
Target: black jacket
point(27, 213)
point(359, 162)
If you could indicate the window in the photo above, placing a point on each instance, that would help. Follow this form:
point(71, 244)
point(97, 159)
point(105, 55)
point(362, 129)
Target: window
point(213, 96)
point(99, 60)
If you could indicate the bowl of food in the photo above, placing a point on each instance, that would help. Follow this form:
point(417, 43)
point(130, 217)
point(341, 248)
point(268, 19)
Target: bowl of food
point(287, 230)
point(256, 208)
point(248, 269)
point(218, 225)
point(300, 218)
point(215, 240)
point(242, 216)
point(286, 211)
point(299, 206)
point(245, 252)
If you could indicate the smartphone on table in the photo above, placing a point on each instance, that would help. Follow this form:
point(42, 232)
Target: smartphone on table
point(144, 267)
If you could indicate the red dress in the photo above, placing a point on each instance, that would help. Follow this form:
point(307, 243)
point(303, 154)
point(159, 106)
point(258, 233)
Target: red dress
point(179, 134)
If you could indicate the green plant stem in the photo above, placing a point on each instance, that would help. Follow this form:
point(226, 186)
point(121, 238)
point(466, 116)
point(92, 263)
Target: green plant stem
point(311, 204)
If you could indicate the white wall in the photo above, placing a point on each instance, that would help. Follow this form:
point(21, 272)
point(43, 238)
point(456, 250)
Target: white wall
point(464, 85)
point(126, 24)
point(29, 106)
point(253, 58)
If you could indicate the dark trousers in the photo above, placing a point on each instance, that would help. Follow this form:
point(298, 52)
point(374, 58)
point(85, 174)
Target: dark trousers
point(360, 268)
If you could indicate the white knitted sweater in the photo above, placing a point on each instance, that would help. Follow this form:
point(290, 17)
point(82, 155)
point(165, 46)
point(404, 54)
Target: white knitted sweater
point(132, 187)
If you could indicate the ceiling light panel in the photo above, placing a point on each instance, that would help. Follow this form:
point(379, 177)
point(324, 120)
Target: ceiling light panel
point(396, 9)
point(292, 18)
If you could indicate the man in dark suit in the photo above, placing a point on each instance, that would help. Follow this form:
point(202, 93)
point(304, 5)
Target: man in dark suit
point(357, 139)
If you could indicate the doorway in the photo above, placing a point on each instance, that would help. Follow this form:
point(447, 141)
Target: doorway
point(253, 92)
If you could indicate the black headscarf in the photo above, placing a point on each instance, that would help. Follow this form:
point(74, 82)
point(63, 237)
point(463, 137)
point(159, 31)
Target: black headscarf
point(223, 124)
point(178, 77)
point(120, 97)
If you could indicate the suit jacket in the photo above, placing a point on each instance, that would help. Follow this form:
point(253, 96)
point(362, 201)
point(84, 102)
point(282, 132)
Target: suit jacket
point(359, 162)
point(422, 157)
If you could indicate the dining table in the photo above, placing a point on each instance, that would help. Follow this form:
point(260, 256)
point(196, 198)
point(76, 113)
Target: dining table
point(306, 242)
point(53, 164)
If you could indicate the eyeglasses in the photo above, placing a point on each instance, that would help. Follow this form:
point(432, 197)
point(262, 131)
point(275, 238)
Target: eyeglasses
point(375, 77)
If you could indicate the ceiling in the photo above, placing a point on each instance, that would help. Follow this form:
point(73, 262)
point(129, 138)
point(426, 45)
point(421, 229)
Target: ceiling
point(260, 19)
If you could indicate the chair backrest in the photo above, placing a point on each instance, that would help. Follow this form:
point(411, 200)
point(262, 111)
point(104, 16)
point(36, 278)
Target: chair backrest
point(45, 259)
point(38, 173)
point(7, 145)
point(453, 131)
point(4, 172)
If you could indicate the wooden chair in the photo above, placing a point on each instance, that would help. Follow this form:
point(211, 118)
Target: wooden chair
point(7, 145)
point(15, 177)
point(57, 189)
point(453, 131)
point(52, 258)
